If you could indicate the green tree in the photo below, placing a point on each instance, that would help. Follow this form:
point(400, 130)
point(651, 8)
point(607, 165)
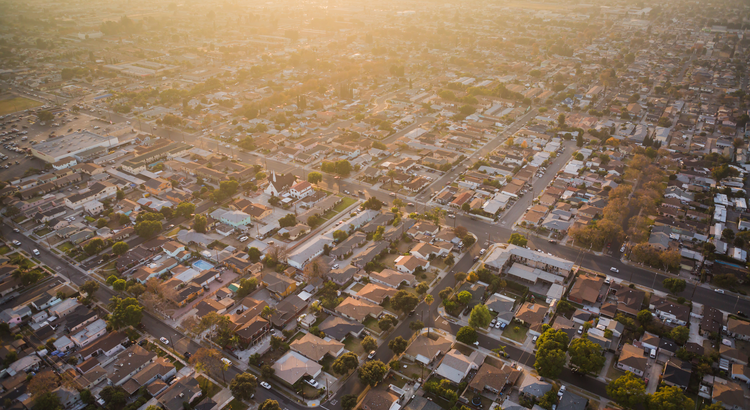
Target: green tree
point(464, 297)
point(147, 229)
point(422, 288)
point(404, 301)
point(586, 355)
point(266, 371)
point(561, 119)
point(670, 398)
point(550, 363)
point(627, 390)
point(119, 285)
point(346, 362)
point(119, 248)
point(349, 401)
point(385, 323)
point(125, 312)
point(369, 344)
point(680, 334)
point(372, 372)
point(372, 203)
point(340, 235)
point(254, 254)
point(90, 287)
point(416, 325)
point(269, 404)
point(101, 223)
point(467, 335)
point(445, 293)
point(314, 177)
point(517, 239)
point(247, 286)
point(674, 285)
point(199, 223)
point(288, 220)
point(480, 317)
point(398, 345)
point(644, 317)
point(243, 386)
point(185, 209)
point(45, 116)
point(47, 401)
point(120, 195)
point(93, 246)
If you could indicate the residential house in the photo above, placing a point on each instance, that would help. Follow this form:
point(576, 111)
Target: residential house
point(676, 373)
point(292, 366)
point(632, 360)
point(586, 290)
point(738, 329)
point(315, 348)
point(455, 366)
point(376, 293)
point(358, 309)
point(503, 306)
point(392, 278)
point(184, 390)
point(426, 349)
point(338, 328)
point(280, 286)
point(409, 264)
point(494, 379)
point(380, 400)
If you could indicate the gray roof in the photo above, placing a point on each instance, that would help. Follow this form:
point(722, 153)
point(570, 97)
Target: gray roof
point(338, 328)
point(532, 385)
point(572, 401)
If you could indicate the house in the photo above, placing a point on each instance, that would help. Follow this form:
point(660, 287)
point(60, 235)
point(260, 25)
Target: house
point(338, 328)
point(586, 289)
point(315, 348)
point(103, 347)
point(157, 186)
point(159, 369)
point(494, 379)
point(503, 306)
point(572, 401)
point(629, 300)
point(676, 373)
point(730, 394)
point(740, 372)
point(425, 349)
point(301, 190)
point(90, 333)
point(738, 329)
point(128, 363)
point(455, 365)
point(380, 400)
point(410, 264)
point(358, 309)
point(280, 286)
point(672, 313)
point(287, 310)
point(426, 251)
point(632, 360)
point(532, 387)
point(293, 366)
point(392, 278)
point(531, 314)
point(343, 275)
point(376, 293)
point(423, 403)
point(345, 248)
point(184, 390)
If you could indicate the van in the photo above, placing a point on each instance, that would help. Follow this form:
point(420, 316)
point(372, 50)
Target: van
point(653, 354)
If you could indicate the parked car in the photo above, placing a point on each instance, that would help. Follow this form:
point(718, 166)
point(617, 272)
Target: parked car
point(16, 242)
point(613, 269)
point(313, 383)
point(371, 355)
point(36, 252)
point(164, 340)
point(265, 385)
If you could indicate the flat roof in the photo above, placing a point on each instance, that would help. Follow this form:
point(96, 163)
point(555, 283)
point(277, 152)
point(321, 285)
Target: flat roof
point(73, 143)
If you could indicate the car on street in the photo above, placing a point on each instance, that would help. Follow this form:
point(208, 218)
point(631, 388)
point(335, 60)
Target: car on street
point(36, 253)
point(265, 385)
point(622, 249)
point(226, 361)
point(164, 340)
point(561, 391)
point(613, 269)
point(16, 230)
point(16, 242)
point(371, 355)
point(482, 251)
point(721, 291)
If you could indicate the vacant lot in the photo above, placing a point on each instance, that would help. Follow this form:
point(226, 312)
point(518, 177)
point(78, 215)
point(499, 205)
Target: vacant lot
point(10, 104)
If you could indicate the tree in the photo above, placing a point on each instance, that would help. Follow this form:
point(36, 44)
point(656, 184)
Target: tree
point(586, 355)
point(167, 212)
point(398, 345)
point(243, 386)
point(199, 223)
point(314, 177)
point(459, 276)
point(207, 360)
point(254, 254)
point(349, 401)
point(467, 335)
point(422, 288)
point(119, 248)
point(468, 240)
point(125, 312)
point(372, 372)
point(269, 404)
point(90, 287)
point(549, 363)
point(101, 223)
point(627, 390)
point(288, 220)
point(266, 371)
point(404, 301)
point(372, 203)
point(340, 235)
point(47, 401)
point(644, 317)
point(674, 285)
point(45, 116)
point(728, 233)
point(93, 246)
point(464, 297)
point(369, 344)
point(119, 285)
point(680, 334)
point(147, 229)
point(561, 119)
point(385, 323)
point(43, 382)
point(480, 316)
point(346, 362)
point(670, 398)
point(445, 293)
point(185, 209)
point(518, 239)
point(416, 325)
point(449, 260)
point(247, 286)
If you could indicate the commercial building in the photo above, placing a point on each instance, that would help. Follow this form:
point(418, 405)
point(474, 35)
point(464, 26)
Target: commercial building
point(55, 149)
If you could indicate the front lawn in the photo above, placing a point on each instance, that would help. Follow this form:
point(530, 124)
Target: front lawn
point(354, 345)
point(65, 247)
point(42, 232)
point(372, 324)
point(4, 249)
point(208, 388)
point(346, 202)
point(516, 332)
point(237, 405)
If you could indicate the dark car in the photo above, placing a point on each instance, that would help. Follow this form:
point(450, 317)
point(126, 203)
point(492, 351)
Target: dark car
point(187, 355)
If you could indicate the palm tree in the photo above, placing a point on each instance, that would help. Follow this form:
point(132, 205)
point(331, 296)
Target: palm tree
point(391, 173)
point(428, 300)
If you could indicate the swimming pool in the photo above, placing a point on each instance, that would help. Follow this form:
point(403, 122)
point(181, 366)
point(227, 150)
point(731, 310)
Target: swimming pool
point(202, 265)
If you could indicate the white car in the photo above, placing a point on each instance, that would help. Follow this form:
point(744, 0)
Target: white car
point(226, 361)
point(265, 385)
point(719, 291)
point(16, 242)
point(613, 269)
point(561, 391)
point(335, 266)
point(243, 238)
point(313, 383)
point(622, 249)
point(36, 252)
point(164, 340)
point(481, 252)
